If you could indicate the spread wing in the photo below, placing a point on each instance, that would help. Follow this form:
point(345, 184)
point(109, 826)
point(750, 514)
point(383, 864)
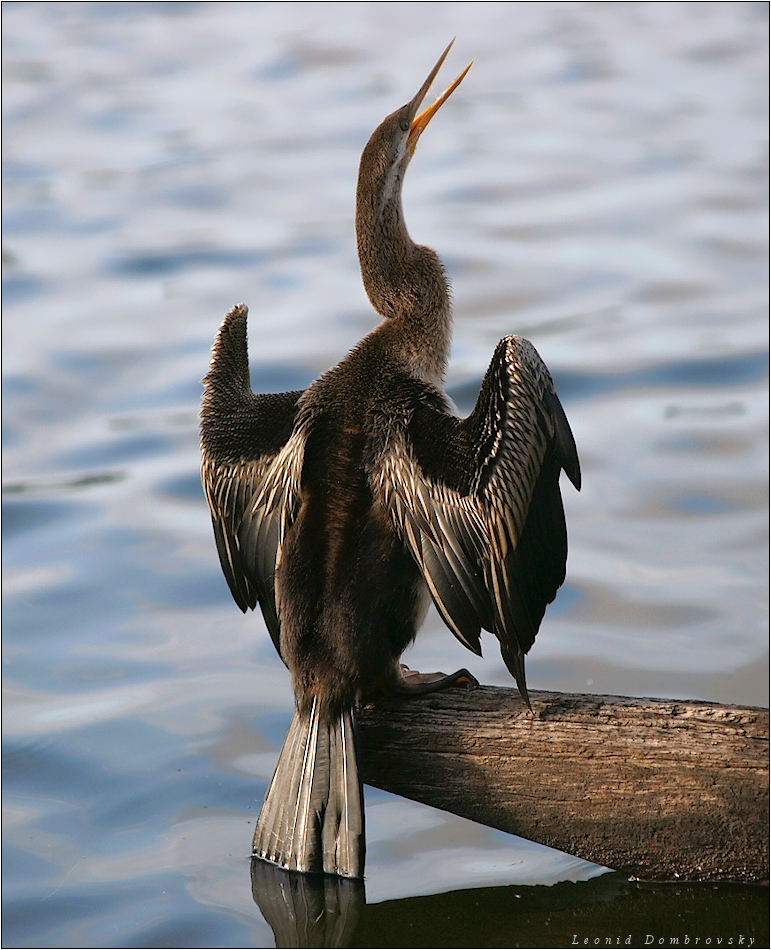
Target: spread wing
point(477, 501)
point(251, 462)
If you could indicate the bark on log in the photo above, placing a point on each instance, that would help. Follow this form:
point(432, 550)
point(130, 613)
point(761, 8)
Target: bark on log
point(658, 789)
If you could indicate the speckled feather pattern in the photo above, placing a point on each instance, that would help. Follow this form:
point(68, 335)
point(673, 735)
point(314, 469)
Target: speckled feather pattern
point(460, 538)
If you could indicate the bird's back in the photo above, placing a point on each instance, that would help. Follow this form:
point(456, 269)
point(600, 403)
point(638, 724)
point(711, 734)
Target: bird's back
point(349, 590)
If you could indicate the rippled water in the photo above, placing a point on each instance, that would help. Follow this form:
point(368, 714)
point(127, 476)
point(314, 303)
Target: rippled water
point(597, 184)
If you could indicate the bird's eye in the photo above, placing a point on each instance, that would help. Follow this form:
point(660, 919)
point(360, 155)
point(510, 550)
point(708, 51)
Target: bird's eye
point(404, 125)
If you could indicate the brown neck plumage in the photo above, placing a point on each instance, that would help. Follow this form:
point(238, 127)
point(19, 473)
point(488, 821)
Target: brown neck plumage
point(404, 281)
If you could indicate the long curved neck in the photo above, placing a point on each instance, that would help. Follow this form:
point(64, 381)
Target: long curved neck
point(404, 281)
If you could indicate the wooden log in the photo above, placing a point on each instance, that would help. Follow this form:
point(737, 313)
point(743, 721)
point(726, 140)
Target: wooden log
point(658, 789)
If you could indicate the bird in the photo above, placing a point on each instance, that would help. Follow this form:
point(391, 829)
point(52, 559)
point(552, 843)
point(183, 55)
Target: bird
point(344, 509)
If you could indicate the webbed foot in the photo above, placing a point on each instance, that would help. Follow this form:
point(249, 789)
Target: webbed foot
point(413, 683)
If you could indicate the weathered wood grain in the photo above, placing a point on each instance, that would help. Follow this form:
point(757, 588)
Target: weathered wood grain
point(658, 789)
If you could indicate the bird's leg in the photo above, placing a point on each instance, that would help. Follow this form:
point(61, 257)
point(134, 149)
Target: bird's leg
point(412, 683)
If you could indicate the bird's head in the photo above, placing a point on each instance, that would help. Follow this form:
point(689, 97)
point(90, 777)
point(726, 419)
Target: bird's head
point(392, 144)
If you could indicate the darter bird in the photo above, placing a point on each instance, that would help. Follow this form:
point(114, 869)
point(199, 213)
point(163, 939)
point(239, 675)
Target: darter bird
point(341, 508)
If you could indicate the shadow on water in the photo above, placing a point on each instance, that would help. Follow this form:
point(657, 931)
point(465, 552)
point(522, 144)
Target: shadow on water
point(320, 911)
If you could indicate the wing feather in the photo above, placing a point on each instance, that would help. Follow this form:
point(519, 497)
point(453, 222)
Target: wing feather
point(273, 510)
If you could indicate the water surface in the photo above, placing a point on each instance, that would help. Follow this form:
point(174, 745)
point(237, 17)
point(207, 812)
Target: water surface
point(597, 185)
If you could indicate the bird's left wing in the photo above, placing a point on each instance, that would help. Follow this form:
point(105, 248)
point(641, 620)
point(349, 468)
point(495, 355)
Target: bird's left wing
point(478, 504)
point(251, 462)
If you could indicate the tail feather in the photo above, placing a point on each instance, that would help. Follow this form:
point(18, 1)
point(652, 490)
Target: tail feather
point(313, 816)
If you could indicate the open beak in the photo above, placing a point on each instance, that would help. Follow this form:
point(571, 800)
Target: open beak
point(421, 121)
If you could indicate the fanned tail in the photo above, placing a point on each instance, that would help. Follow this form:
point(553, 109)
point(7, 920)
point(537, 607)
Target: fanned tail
point(313, 816)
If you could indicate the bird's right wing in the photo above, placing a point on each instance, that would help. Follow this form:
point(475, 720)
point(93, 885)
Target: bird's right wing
point(251, 463)
point(478, 504)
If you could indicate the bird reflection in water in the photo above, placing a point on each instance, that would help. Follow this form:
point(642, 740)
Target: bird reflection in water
point(307, 910)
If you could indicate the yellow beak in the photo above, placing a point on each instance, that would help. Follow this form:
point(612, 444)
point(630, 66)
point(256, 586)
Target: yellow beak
point(420, 122)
